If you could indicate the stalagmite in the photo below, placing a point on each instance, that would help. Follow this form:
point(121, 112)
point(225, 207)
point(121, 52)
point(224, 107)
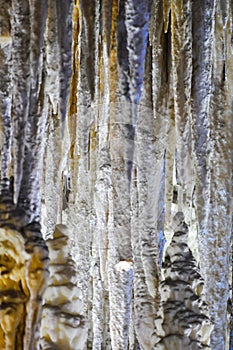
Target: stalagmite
point(183, 318)
point(120, 305)
point(115, 117)
point(63, 327)
point(24, 273)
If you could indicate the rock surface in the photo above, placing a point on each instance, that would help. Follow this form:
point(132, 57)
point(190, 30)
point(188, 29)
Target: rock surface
point(115, 115)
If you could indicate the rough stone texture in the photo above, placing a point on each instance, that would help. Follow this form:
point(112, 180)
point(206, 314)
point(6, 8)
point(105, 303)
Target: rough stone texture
point(63, 327)
point(183, 317)
point(24, 273)
point(114, 116)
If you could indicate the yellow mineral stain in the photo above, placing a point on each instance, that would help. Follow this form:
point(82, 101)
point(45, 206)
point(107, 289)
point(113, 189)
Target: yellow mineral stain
point(113, 55)
point(72, 115)
point(93, 140)
point(75, 61)
point(5, 39)
point(177, 28)
point(166, 12)
point(2, 339)
point(13, 286)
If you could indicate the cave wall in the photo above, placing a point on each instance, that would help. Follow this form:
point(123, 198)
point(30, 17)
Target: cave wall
point(115, 116)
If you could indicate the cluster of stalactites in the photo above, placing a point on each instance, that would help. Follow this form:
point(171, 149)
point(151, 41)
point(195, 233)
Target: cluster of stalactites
point(176, 113)
point(139, 112)
point(35, 57)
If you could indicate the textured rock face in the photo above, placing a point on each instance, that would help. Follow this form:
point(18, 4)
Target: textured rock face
point(24, 272)
point(115, 115)
point(62, 326)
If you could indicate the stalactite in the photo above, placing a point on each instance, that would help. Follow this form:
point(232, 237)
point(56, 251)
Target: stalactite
point(64, 36)
point(203, 23)
point(28, 111)
point(144, 305)
point(57, 80)
point(6, 98)
point(98, 309)
point(137, 19)
point(181, 30)
point(220, 215)
point(21, 84)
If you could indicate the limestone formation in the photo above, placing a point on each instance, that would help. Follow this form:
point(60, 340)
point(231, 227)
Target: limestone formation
point(114, 116)
point(24, 273)
point(183, 318)
point(63, 325)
